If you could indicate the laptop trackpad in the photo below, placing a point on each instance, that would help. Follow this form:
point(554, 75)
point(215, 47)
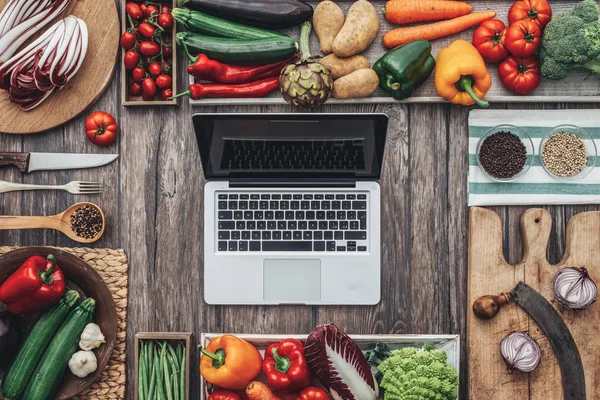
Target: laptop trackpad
point(292, 280)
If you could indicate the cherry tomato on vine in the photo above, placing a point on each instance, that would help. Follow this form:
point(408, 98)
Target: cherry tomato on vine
point(128, 40)
point(489, 38)
point(101, 128)
point(134, 10)
point(131, 59)
point(148, 87)
point(149, 49)
point(165, 20)
point(151, 9)
point(166, 93)
point(147, 30)
point(163, 81)
point(166, 67)
point(138, 74)
point(135, 89)
point(521, 75)
point(538, 11)
point(167, 50)
point(154, 68)
point(313, 393)
point(165, 9)
point(523, 38)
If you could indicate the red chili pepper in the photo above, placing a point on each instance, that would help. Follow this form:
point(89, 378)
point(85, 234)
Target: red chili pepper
point(285, 366)
point(154, 68)
point(224, 395)
point(134, 10)
point(166, 93)
point(313, 393)
point(138, 73)
point(165, 20)
point(128, 40)
point(37, 284)
point(131, 59)
point(163, 81)
point(211, 70)
point(255, 89)
point(147, 30)
point(149, 49)
point(135, 89)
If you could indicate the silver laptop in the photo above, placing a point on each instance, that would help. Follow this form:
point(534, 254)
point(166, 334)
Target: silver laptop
point(291, 207)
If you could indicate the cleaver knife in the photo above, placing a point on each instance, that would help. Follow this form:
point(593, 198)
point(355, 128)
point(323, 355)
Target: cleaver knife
point(29, 162)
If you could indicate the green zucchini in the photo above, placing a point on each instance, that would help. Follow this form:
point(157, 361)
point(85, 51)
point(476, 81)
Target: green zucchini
point(199, 22)
point(19, 374)
point(56, 357)
point(238, 51)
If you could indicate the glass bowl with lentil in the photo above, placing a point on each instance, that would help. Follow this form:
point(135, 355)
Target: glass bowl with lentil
point(505, 153)
point(568, 153)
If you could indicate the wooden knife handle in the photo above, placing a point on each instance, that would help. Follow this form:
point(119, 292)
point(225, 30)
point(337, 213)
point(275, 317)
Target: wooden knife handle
point(19, 160)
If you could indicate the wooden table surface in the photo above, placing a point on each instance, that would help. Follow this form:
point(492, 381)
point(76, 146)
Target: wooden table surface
point(153, 201)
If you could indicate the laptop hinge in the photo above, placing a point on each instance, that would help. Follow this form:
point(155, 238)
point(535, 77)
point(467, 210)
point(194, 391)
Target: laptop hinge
point(296, 183)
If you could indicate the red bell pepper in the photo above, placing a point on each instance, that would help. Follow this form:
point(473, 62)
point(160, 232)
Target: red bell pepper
point(313, 393)
point(205, 69)
point(285, 366)
point(37, 284)
point(255, 89)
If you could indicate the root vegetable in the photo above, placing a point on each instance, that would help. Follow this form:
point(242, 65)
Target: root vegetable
point(361, 83)
point(328, 19)
point(359, 30)
point(343, 66)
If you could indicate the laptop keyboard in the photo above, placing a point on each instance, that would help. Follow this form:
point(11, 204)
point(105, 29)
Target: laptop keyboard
point(320, 222)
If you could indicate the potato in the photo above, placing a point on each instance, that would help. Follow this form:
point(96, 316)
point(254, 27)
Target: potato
point(343, 66)
point(328, 19)
point(359, 30)
point(361, 83)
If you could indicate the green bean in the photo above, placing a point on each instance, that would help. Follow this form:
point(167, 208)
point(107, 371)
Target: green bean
point(182, 375)
point(142, 379)
point(151, 389)
point(160, 394)
point(167, 373)
point(175, 373)
point(149, 358)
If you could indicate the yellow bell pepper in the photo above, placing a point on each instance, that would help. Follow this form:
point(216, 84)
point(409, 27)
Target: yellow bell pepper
point(461, 76)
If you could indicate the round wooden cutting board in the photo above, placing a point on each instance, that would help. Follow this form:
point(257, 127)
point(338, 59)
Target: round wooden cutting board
point(102, 20)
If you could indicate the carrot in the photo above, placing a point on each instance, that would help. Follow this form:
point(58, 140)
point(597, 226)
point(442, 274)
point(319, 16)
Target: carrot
point(409, 11)
point(400, 36)
point(259, 391)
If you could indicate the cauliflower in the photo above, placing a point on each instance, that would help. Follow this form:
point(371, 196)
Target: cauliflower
point(418, 374)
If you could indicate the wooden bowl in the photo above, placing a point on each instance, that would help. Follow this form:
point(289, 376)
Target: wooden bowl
point(82, 277)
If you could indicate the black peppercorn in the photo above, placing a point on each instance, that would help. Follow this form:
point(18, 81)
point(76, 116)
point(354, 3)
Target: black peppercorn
point(86, 222)
point(502, 155)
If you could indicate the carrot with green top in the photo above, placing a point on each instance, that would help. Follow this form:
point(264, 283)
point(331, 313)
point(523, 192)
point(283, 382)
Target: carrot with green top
point(436, 30)
point(409, 11)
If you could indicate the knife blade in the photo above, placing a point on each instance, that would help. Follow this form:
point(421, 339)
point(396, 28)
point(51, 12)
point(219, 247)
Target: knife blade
point(557, 332)
point(29, 162)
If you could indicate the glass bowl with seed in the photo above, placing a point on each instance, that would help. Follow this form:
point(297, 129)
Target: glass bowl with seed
point(505, 153)
point(568, 153)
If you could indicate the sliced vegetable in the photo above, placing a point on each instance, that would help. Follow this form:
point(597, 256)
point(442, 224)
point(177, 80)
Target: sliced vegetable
point(339, 364)
point(83, 363)
point(521, 75)
point(9, 337)
point(436, 30)
point(574, 288)
point(410, 11)
point(520, 352)
point(489, 40)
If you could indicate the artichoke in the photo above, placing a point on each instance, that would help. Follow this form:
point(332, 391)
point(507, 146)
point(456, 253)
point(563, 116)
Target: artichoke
point(306, 83)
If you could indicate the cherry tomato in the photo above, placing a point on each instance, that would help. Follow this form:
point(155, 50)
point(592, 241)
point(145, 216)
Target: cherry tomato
point(166, 93)
point(538, 11)
point(163, 81)
point(147, 30)
point(101, 128)
point(138, 74)
point(165, 10)
point(135, 89)
point(488, 39)
point(149, 49)
point(148, 86)
point(147, 97)
point(523, 38)
point(520, 75)
point(166, 67)
point(128, 40)
point(165, 20)
point(154, 68)
point(134, 10)
point(151, 9)
point(167, 50)
point(144, 8)
point(131, 59)
point(313, 393)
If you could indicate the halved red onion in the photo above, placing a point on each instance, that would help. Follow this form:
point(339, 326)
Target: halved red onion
point(520, 352)
point(574, 288)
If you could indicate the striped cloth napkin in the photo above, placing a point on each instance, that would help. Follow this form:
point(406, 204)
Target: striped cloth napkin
point(535, 187)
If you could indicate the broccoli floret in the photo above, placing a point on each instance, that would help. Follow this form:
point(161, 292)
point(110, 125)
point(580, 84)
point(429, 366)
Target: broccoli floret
point(421, 374)
point(572, 40)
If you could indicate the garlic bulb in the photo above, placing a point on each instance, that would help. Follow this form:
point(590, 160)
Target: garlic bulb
point(83, 363)
point(91, 337)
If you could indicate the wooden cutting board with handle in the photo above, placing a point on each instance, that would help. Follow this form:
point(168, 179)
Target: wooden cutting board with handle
point(489, 273)
point(102, 20)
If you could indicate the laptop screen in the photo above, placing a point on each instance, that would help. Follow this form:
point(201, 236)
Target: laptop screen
point(291, 145)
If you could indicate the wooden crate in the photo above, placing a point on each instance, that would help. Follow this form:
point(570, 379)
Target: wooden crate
point(127, 100)
point(449, 343)
point(174, 336)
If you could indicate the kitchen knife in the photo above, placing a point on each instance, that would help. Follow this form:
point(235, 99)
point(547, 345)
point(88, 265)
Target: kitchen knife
point(29, 162)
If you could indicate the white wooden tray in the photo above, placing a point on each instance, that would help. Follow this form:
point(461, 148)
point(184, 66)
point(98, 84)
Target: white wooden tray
point(449, 343)
point(580, 86)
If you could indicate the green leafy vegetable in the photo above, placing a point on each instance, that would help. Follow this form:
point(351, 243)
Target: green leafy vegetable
point(572, 40)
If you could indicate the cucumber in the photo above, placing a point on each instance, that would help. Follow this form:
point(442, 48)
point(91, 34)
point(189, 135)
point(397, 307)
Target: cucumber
point(31, 351)
point(238, 51)
point(56, 357)
point(199, 22)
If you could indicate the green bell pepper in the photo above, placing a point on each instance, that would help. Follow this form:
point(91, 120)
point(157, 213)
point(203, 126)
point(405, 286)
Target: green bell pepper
point(401, 71)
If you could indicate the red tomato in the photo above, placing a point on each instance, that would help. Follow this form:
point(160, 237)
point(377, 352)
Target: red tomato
point(131, 59)
point(134, 10)
point(147, 30)
point(101, 128)
point(165, 20)
point(148, 87)
point(166, 93)
point(135, 89)
point(521, 76)
point(538, 11)
point(138, 74)
point(165, 9)
point(163, 81)
point(167, 51)
point(154, 68)
point(523, 38)
point(313, 393)
point(151, 9)
point(128, 40)
point(488, 39)
point(166, 67)
point(149, 49)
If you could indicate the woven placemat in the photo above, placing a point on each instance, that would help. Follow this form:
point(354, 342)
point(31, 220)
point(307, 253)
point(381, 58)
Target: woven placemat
point(111, 265)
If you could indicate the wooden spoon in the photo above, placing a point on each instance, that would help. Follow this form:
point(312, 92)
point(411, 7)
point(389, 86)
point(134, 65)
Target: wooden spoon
point(60, 222)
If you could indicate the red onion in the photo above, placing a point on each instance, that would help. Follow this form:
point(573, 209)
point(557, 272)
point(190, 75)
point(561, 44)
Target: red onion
point(520, 352)
point(574, 288)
